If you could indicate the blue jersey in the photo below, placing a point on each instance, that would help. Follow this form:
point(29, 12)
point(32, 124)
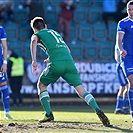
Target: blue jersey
point(3, 77)
point(2, 37)
point(126, 26)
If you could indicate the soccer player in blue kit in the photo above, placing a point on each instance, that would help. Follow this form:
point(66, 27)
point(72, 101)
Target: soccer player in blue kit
point(3, 76)
point(124, 42)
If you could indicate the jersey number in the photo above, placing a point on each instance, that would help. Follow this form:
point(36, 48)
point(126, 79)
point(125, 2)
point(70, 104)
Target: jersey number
point(57, 36)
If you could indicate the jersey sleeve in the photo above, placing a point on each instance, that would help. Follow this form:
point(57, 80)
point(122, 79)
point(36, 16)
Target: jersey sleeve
point(2, 33)
point(121, 27)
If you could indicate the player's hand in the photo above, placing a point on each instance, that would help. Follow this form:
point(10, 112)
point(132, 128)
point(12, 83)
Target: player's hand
point(46, 60)
point(4, 68)
point(34, 66)
point(123, 53)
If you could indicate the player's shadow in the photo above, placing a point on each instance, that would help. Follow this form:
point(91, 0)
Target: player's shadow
point(89, 125)
point(122, 129)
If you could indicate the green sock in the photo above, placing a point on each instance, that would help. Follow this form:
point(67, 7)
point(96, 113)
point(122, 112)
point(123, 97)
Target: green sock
point(45, 101)
point(90, 100)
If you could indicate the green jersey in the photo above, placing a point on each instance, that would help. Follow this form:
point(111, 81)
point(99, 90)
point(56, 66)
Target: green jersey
point(52, 43)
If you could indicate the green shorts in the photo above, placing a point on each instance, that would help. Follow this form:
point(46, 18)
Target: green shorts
point(64, 69)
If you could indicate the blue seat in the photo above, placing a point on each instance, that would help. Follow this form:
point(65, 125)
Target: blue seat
point(94, 14)
point(84, 2)
point(25, 32)
point(99, 31)
point(26, 50)
point(41, 54)
point(76, 50)
point(79, 14)
point(112, 28)
point(106, 50)
point(50, 11)
point(16, 46)
point(73, 32)
point(45, 1)
point(21, 15)
point(90, 50)
point(11, 31)
point(56, 2)
point(85, 32)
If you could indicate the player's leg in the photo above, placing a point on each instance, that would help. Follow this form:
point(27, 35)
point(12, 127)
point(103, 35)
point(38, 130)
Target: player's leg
point(45, 79)
point(73, 78)
point(45, 102)
point(123, 82)
point(90, 100)
point(119, 102)
point(126, 101)
point(127, 64)
point(5, 99)
point(130, 93)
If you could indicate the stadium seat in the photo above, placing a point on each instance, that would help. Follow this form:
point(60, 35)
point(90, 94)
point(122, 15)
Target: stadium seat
point(73, 32)
point(112, 28)
point(98, 2)
point(100, 31)
point(21, 15)
point(50, 11)
point(56, 2)
point(16, 46)
point(84, 2)
point(85, 32)
point(42, 55)
point(79, 14)
point(106, 50)
point(76, 50)
point(94, 14)
point(26, 50)
point(24, 33)
point(11, 31)
point(44, 1)
point(90, 50)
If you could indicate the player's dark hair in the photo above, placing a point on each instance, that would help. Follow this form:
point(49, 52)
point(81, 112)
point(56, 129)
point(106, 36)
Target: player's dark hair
point(130, 2)
point(38, 23)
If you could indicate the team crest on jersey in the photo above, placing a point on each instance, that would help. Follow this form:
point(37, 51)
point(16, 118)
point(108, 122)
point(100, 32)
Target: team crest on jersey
point(131, 26)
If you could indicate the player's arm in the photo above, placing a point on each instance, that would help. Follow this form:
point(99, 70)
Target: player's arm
point(33, 49)
point(119, 38)
point(4, 46)
point(117, 56)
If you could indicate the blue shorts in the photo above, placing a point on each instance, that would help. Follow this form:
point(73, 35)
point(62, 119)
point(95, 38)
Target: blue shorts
point(3, 77)
point(121, 76)
point(127, 65)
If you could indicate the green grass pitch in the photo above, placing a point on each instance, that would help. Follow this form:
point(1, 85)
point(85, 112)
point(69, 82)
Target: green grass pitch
point(68, 119)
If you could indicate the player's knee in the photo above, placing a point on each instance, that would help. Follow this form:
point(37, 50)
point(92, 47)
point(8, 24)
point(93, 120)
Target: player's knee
point(41, 86)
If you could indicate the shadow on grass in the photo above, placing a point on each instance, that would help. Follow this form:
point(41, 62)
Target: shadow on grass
point(122, 129)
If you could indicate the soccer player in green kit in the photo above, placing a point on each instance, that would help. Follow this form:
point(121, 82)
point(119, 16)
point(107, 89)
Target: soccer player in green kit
point(60, 64)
